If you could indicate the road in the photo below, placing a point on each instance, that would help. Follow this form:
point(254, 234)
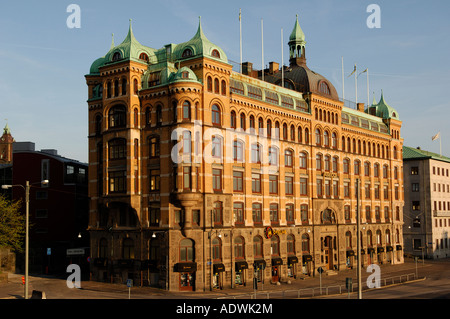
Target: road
point(436, 285)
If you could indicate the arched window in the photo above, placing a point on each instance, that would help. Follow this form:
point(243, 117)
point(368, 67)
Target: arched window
point(290, 244)
point(285, 132)
point(216, 118)
point(243, 126)
point(303, 160)
point(334, 141)
point(288, 158)
point(269, 128)
point(323, 88)
point(218, 213)
point(306, 136)
point(216, 86)
point(159, 115)
point(135, 86)
point(187, 142)
point(116, 88)
point(143, 57)
point(292, 133)
point(326, 139)
point(215, 53)
point(328, 217)
point(128, 249)
point(239, 248)
point(318, 137)
point(98, 124)
point(186, 110)
point(257, 247)
point(305, 243)
point(124, 86)
point(186, 53)
point(148, 116)
point(273, 156)
point(187, 250)
point(224, 87)
point(238, 151)
point(116, 56)
point(256, 153)
point(290, 213)
point(117, 116)
point(233, 119)
point(275, 245)
point(348, 240)
point(209, 84)
point(216, 249)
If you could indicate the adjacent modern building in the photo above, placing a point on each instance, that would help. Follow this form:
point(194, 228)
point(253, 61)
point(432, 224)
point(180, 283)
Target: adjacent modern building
point(427, 203)
point(58, 209)
point(201, 177)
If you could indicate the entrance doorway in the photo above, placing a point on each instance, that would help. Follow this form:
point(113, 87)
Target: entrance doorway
point(275, 274)
point(328, 252)
point(187, 281)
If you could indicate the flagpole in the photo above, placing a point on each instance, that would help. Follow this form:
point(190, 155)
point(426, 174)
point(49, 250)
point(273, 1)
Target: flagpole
point(343, 85)
point(240, 39)
point(368, 98)
point(282, 60)
point(356, 87)
point(262, 50)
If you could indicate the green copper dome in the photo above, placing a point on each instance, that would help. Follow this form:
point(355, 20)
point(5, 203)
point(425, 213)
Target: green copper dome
point(129, 49)
point(199, 45)
point(383, 110)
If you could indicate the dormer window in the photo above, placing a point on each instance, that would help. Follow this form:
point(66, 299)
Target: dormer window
point(185, 75)
point(215, 54)
point(143, 57)
point(117, 56)
point(323, 88)
point(187, 53)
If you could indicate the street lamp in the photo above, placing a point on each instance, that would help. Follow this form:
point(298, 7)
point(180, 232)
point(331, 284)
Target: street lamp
point(27, 225)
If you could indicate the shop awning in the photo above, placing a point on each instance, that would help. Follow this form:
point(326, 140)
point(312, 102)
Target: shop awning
point(292, 260)
point(218, 268)
point(259, 264)
point(350, 253)
point(240, 265)
point(399, 247)
point(389, 248)
point(307, 258)
point(370, 250)
point(380, 249)
point(277, 261)
point(185, 267)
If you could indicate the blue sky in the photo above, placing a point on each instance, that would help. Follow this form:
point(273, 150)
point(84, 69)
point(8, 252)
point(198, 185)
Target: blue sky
point(43, 91)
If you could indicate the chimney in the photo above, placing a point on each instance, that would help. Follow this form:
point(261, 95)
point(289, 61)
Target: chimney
point(273, 67)
point(247, 68)
point(360, 107)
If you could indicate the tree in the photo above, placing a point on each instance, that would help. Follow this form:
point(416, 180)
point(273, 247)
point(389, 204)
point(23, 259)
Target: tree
point(12, 224)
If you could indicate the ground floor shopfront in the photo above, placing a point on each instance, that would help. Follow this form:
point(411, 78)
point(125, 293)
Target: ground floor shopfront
point(202, 260)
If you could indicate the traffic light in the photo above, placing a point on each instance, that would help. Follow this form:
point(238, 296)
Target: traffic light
point(23, 280)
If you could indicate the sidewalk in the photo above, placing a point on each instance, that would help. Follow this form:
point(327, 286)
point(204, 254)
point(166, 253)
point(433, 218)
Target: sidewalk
point(15, 290)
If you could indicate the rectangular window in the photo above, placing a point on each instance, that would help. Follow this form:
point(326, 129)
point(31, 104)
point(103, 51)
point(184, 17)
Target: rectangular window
point(257, 213)
point(238, 212)
point(289, 187)
point(238, 181)
point(319, 188)
point(304, 213)
point(415, 205)
point(117, 182)
point(414, 170)
point(217, 179)
point(335, 189)
point(274, 214)
point(290, 213)
point(154, 180)
point(256, 183)
point(187, 185)
point(273, 184)
point(327, 188)
point(346, 189)
point(415, 187)
point(303, 186)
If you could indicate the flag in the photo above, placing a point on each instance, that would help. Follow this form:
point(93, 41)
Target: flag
point(438, 135)
point(239, 14)
point(363, 72)
point(354, 70)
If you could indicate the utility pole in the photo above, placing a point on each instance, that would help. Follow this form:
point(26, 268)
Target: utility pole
point(358, 238)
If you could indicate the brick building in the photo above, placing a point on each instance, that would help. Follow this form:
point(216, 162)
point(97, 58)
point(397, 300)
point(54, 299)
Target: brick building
point(201, 177)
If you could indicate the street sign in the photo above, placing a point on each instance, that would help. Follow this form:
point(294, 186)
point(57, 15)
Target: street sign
point(129, 283)
point(320, 270)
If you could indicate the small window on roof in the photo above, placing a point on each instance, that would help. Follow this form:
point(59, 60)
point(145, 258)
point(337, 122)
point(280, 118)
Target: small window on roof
point(215, 54)
point(143, 56)
point(187, 53)
point(117, 56)
point(323, 88)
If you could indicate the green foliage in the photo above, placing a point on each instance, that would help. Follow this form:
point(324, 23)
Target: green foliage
point(12, 225)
